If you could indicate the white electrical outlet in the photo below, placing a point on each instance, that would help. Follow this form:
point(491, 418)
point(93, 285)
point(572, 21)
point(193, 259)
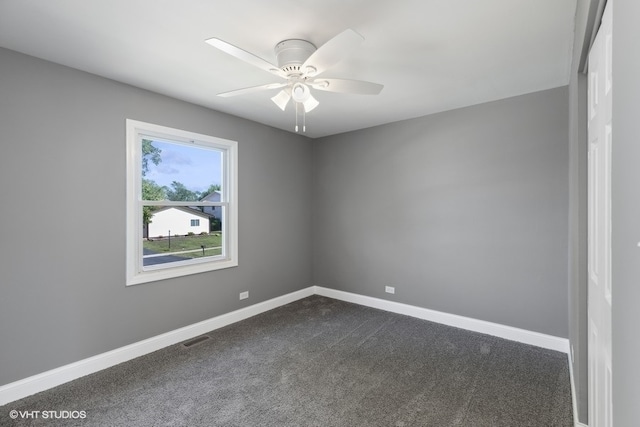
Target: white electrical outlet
point(390, 289)
point(244, 295)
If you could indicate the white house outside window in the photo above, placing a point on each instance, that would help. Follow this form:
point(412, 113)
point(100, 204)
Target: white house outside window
point(181, 203)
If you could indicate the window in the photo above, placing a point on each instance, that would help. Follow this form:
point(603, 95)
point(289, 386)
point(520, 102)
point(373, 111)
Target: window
point(181, 203)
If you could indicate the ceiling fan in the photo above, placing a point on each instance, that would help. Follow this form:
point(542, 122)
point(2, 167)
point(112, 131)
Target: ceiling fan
point(300, 63)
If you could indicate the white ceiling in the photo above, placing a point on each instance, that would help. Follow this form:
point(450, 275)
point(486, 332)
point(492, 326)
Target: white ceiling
point(431, 55)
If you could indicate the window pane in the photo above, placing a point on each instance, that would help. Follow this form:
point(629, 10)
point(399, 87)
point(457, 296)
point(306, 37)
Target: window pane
point(176, 171)
point(179, 234)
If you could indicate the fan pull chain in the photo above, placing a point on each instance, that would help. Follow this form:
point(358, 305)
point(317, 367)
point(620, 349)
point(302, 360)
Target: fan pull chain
point(304, 120)
point(296, 117)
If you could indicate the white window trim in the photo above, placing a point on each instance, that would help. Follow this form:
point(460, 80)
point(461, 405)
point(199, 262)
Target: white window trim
point(135, 274)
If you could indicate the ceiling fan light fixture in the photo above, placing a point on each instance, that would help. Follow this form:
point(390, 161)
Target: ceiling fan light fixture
point(281, 99)
point(298, 63)
point(300, 92)
point(310, 104)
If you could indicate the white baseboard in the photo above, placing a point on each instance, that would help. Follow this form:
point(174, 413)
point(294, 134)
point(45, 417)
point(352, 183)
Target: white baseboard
point(508, 332)
point(49, 379)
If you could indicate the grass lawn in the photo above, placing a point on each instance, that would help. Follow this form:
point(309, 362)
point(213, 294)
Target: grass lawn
point(185, 243)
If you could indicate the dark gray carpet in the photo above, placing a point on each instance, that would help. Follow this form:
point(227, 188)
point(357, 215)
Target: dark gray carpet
point(322, 362)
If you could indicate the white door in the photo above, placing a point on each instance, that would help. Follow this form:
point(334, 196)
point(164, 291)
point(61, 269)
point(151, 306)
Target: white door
point(599, 233)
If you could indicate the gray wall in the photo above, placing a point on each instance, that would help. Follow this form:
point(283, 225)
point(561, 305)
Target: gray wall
point(464, 212)
point(626, 213)
point(62, 168)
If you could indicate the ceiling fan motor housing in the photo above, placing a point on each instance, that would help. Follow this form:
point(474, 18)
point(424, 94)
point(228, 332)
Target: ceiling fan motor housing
point(291, 54)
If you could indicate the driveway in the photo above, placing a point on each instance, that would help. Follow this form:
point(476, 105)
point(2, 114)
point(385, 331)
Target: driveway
point(159, 259)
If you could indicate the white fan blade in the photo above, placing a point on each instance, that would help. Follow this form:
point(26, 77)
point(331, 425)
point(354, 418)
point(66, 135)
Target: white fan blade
point(252, 89)
point(310, 103)
point(332, 52)
point(282, 99)
point(347, 86)
point(245, 56)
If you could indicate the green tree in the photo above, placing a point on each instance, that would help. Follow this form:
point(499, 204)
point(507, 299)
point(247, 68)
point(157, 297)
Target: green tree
point(150, 190)
point(211, 189)
point(178, 192)
point(149, 152)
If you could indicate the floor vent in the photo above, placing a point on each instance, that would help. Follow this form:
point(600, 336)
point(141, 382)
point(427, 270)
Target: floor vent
point(195, 341)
